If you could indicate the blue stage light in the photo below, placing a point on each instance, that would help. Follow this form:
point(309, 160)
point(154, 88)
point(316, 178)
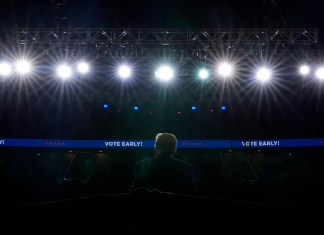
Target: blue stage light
point(105, 106)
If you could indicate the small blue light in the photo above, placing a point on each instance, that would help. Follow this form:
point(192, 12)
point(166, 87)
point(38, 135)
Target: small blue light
point(193, 108)
point(105, 106)
point(135, 107)
point(223, 107)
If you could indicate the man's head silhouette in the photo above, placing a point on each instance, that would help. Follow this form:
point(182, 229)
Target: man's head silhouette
point(165, 143)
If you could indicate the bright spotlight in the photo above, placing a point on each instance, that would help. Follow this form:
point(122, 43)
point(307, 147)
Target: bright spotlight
point(304, 70)
point(5, 69)
point(64, 71)
point(320, 73)
point(83, 67)
point(164, 73)
point(193, 108)
point(136, 108)
point(203, 74)
point(124, 71)
point(263, 74)
point(23, 67)
point(225, 69)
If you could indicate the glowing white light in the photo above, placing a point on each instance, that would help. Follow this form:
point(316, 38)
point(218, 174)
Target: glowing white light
point(225, 70)
point(263, 74)
point(23, 67)
point(124, 71)
point(304, 70)
point(83, 67)
point(320, 73)
point(203, 74)
point(64, 71)
point(5, 69)
point(164, 73)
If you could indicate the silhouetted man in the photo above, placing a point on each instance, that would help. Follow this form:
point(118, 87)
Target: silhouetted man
point(164, 172)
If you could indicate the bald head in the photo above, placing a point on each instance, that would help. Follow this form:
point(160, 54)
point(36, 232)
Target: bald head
point(165, 143)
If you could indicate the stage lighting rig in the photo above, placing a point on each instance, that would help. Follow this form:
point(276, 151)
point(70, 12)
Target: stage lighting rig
point(200, 43)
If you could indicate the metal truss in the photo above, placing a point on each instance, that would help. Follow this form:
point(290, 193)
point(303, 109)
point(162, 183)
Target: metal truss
point(162, 37)
point(176, 43)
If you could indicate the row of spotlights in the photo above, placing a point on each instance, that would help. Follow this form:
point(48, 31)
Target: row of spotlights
point(64, 71)
point(164, 73)
point(21, 66)
point(305, 70)
point(136, 108)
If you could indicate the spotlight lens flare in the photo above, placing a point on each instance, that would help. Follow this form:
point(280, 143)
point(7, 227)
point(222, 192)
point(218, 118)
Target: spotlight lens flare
point(83, 67)
point(164, 73)
point(225, 69)
point(5, 69)
point(203, 74)
point(320, 73)
point(263, 74)
point(304, 70)
point(23, 67)
point(64, 71)
point(124, 71)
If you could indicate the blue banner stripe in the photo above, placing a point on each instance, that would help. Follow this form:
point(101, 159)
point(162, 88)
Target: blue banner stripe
point(268, 143)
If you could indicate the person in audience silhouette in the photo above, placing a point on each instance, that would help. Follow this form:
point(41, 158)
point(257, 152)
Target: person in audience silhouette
point(164, 172)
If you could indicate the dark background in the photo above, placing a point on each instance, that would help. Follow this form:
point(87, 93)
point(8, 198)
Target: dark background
point(142, 14)
point(291, 179)
point(44, 108)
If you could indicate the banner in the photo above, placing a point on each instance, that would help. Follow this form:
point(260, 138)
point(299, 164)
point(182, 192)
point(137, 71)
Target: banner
point(102, 144)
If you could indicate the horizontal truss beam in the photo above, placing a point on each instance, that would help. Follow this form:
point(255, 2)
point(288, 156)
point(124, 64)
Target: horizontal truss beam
point(162, 37)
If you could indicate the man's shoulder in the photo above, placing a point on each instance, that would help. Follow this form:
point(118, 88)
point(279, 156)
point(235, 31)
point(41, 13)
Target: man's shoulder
point(144, 161)
point(182, 162)
point(163, 161)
